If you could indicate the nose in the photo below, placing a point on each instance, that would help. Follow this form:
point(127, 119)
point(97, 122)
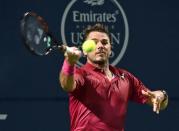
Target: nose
point(100, 44)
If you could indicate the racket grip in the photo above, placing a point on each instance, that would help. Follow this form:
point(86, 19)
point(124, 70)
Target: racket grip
point(72, 50)
point(62, 48)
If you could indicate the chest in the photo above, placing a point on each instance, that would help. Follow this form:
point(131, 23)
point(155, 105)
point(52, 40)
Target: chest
point(114, 91)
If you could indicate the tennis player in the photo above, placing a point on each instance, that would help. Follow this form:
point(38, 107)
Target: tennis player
point(98, 92)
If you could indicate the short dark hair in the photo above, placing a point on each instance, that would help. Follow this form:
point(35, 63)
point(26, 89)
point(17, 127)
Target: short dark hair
point(97, 27)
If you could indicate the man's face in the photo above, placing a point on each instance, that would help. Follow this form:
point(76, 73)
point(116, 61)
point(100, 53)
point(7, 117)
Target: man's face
point(103, 48)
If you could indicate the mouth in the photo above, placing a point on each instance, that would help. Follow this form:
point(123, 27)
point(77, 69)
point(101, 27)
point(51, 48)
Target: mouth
point(100, 53)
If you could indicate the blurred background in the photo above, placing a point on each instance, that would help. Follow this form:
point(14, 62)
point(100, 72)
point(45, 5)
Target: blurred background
point(31, 98)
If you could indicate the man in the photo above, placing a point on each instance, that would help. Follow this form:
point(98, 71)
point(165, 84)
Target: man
point(98, 92)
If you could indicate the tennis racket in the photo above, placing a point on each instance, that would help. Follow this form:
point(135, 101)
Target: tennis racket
point(36, 36)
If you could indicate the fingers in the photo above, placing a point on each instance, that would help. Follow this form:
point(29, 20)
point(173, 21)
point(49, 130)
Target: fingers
point(155, 100)
point(156, 105)
point(73, 50)
point(72, 54)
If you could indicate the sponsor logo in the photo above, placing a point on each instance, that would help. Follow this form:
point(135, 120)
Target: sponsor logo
point(79, 14)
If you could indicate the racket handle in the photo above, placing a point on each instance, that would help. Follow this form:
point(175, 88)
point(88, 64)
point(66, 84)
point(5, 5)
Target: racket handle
point(62, 48)
point(67, 49)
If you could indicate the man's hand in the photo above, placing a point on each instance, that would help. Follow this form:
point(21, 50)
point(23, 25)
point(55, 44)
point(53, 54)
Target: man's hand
point(72, 55)
point(157, 99)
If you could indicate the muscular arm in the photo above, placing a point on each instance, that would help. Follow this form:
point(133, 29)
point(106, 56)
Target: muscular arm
point(67, 75)
point(67, 82)
point(157, 99)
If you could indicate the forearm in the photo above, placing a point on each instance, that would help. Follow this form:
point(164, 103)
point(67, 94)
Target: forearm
point(66, 77)
point(67, 82)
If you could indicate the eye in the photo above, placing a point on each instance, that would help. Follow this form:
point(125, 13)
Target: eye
point(95, 40)
point(104, 42)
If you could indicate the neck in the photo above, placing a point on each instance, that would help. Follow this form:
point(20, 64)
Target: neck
point(104, 67)
point(100, 65)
